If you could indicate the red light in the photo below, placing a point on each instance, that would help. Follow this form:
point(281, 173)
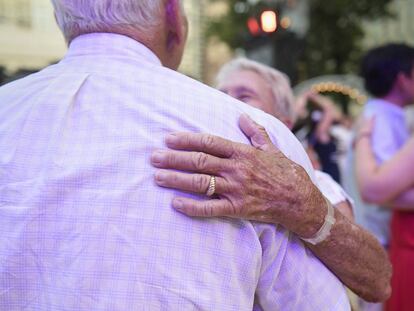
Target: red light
point(253, 26)
point(269, 21)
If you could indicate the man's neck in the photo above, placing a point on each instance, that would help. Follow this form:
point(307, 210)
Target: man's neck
point(395, 99)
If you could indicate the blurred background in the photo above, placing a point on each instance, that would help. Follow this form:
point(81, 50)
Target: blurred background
point(317, 43)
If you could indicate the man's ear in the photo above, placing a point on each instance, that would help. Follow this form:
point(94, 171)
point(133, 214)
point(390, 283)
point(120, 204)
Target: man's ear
point(402, 81)
point(174, 23)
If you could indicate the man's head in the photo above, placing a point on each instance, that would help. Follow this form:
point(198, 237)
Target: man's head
point(390, 69)
point(259, 86)
point(161, 25)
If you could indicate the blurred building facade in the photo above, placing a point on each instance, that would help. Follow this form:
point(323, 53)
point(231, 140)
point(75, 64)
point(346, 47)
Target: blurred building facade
point(29, 37)
point(217, 53)
point(398, 29)
point(31, 40)
point(193, 61)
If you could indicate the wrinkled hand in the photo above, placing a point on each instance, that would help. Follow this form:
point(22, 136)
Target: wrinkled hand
point(255, 183)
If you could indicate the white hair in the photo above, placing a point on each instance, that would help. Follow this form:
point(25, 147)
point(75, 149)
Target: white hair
point(278, 82)
point(77, 17)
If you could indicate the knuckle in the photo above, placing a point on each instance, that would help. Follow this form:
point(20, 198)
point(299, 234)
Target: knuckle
point(170, 159)
point(233, 210)
point(246, 151)
point(207, 141)
point(188, 140)
point(198, 183)
point(200, 161)
point(207, 211)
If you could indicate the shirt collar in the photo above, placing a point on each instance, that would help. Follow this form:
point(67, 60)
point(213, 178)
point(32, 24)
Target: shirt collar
point(110, 44)
point(386, 106)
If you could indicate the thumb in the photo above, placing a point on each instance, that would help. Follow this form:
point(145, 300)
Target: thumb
point(256, 133)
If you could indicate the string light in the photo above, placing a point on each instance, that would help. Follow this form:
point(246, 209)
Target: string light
point(285, 22)
point(334, 87)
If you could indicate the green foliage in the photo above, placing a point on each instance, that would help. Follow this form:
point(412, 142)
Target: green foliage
point(333, 42)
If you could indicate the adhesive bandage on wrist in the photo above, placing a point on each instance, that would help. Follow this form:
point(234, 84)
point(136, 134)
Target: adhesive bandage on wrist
point(324, 232)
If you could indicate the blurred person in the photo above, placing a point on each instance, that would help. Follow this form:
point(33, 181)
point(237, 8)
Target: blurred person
point(391, 185)
point(388, 75)
point(82, 224)
point(329, 125)
point(269, 90)
point(410, 118)
point(320, 138)
point(342, 132)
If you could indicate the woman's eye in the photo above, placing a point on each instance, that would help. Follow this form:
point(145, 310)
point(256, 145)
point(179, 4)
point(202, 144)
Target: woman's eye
point(243, 97)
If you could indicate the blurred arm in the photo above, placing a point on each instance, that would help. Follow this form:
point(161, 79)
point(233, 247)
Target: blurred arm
point(405, 202)
point(382, 184)
point(329, 115)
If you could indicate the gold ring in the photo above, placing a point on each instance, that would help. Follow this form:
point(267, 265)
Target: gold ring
point(211, 187)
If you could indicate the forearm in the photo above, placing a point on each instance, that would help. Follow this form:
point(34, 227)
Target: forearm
point(353, 254)
point(405, 202)
point(356, 258)
point(329, 115)
point(324, 126)
point(382, 184)
point(373, 189)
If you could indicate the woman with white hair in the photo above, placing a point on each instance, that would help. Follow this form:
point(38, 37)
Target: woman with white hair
point(259, 86)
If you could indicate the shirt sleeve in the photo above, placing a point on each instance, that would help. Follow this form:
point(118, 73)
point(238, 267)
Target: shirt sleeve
point(332, 190)
point(384, 143)
point(292, 278)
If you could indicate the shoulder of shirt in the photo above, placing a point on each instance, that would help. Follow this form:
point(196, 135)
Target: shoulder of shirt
point(280, 135)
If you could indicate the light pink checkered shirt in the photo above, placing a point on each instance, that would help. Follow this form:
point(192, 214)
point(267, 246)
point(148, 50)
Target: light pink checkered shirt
point(84, 227)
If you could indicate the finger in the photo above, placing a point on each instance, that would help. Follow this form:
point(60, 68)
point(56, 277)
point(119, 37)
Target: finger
point(187, 161)
point(207, 143)
point(195, 183)
point(256, 133)
point(206, 208)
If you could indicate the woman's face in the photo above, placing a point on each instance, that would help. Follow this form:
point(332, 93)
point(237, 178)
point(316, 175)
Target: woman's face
point(250, 88)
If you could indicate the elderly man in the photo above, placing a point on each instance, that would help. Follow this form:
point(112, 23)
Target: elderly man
point(82, 224)
point(356, 257)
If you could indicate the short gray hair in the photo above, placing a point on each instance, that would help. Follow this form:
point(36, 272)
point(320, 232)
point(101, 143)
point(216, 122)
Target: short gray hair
point(77, 17)
point(279, 83)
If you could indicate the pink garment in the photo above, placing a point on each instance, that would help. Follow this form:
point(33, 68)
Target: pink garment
point(82, 224)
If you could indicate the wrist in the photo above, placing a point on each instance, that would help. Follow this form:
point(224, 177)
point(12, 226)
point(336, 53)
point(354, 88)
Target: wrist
point(325, 230)
point(310, 213)
point(317, 211)
point(360, 137)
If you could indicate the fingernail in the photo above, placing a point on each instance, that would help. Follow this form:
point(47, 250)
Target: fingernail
point(178, 204)
point(158, 157)
point(160, 176)
point(171, 138)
